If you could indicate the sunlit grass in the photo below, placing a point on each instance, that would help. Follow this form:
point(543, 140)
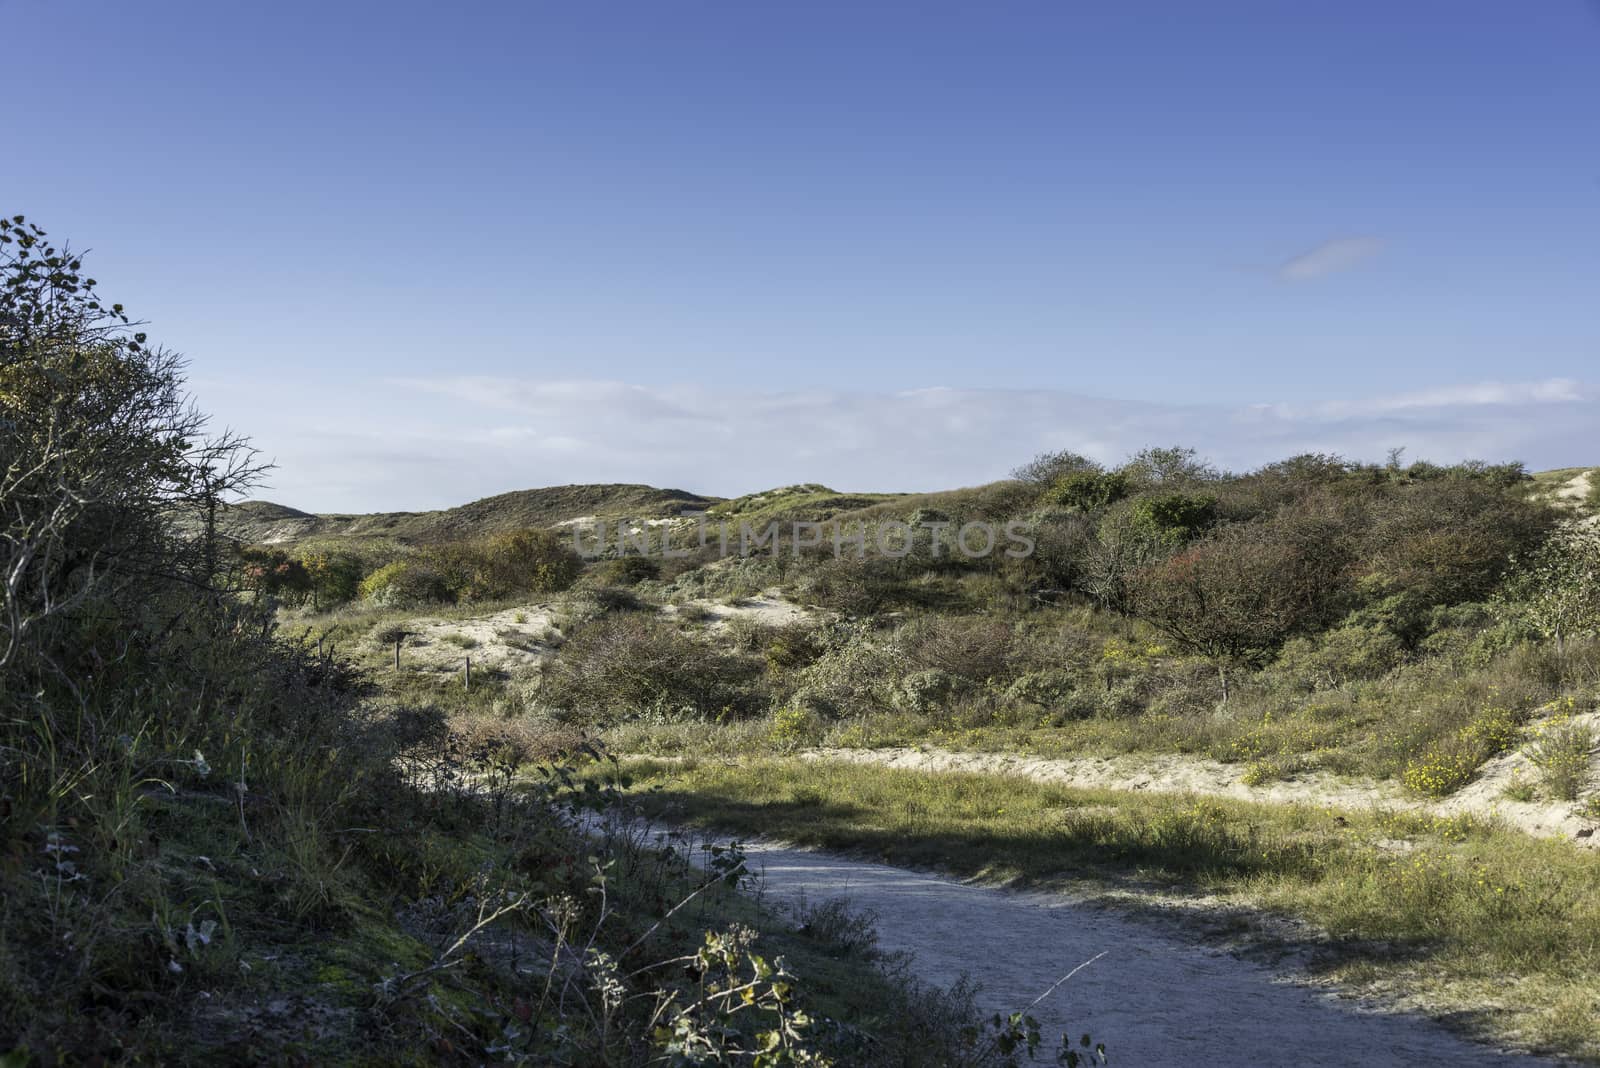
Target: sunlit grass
point(1461, 916)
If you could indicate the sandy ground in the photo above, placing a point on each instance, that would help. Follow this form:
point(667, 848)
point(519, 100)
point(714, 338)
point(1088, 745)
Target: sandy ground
point(509, 641)
point(768, 607)
point(1198, 775)
point(517, 639)
point(1575, 491)
point(1577, 488)
point(1157, 996)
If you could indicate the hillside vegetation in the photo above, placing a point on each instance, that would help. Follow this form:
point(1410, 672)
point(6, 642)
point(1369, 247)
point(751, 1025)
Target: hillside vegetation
point(1425, 636)
point(262, 522)
point(221, 844)
point(283, 787)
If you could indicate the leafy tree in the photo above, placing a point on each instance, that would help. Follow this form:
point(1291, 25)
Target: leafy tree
point(99, 448)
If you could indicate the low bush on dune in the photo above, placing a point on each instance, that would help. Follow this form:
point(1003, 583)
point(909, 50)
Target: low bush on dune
point(639, 664)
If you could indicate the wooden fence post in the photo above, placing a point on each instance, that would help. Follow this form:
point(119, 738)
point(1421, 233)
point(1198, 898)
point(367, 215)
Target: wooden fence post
point(466, 674)
point(397, 642)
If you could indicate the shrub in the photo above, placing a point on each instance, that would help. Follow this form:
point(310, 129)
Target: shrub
point(404, 584)
point(1560, 751)
point(1048, 689)
point(1119, 548)
point(925, 691)
point(1556, 592)
point(624, 666)
point(854, 674)
point(1238, 594)
point(1450, 760)
point(520, 739)
point(269, 572)
point(793, 727)
point(1175, 518)
point(1087, 490)
point(524, 561)
point(385, 634)
point(504, 564)
point(972, 647)
point(1174, 466)
point(1048, 468)
point(1443, 769)
point(625, 571)
point(853, 587)
point(844, 929)
point(1339, 657)
point(334, 577)
point(1450, 540)
point(792, 647)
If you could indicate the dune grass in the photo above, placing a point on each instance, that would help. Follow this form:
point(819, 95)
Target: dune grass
point(1492, 928)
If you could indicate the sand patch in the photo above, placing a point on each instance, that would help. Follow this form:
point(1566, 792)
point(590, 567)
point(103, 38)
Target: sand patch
point(1181, 774)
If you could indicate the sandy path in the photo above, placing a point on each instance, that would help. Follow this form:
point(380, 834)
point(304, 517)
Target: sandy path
point(1576, 488)
point(1177, 773)
point(1575, 492)
point(1155, 998)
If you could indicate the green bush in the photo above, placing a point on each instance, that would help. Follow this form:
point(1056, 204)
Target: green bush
point(1339, 657)
point(334, 577)
point(1051, 689)
point(523, 561)
point(1561, 751)
point(1175, 518)
point(625, 571)
point(405, 584)
point(1087, 490)
point(634, 664)
point(926, 691)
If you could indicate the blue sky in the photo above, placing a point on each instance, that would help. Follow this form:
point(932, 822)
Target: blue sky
point(426, 252)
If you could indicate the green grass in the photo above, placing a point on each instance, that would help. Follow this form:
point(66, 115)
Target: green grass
point(1490, 926)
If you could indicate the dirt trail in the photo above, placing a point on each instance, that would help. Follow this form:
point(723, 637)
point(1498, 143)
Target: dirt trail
point(1174, 773)
point(1157, 997)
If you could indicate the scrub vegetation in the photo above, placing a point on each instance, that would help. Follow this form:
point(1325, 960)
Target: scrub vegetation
point(220, 843)
point(279, 786)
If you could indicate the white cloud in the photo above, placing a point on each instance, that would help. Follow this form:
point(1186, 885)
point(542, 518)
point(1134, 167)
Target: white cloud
point(433, 442)
point(1330, 257)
